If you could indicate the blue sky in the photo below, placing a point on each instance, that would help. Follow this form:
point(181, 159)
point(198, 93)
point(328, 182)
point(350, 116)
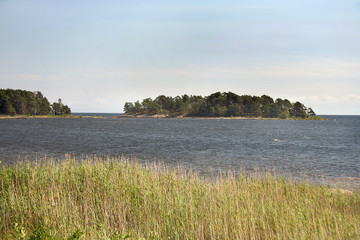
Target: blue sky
point(96, 55)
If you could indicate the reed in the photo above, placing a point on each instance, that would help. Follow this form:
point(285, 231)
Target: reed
point(114, 198)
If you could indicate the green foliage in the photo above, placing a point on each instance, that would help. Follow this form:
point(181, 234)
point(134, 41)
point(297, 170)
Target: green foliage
point(58, 108)
point(118, 199)
point(220, 105)
point(21, 102)
point(40, 233)
point(129, 108)
point(19, 232)
point(76, 235)
point(118, 236)
point(284, 114)
point(299, 110)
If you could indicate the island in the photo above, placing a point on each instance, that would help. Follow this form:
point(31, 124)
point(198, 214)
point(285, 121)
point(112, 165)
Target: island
point(223, 105)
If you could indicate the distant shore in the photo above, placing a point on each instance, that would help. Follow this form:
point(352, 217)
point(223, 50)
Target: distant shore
point(45, 116)
point(8, 117)
point(196, 117)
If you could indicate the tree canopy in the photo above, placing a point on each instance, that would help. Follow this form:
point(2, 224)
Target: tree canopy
point(21, 102)
point(226, 104)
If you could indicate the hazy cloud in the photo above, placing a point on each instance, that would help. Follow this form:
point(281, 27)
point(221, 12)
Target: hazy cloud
point(100, 100)
point(98, 55)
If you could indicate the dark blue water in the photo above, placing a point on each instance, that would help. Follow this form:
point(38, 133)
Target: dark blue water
point(329, 148)
point(96, 114)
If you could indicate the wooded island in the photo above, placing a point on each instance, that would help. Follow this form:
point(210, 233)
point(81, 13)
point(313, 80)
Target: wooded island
point(21, 102)
point(226, 104)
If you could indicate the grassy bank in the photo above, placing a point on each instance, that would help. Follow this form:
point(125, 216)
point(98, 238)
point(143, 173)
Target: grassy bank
point(117, 199)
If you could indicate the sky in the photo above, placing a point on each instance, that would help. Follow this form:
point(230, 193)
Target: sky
point(97, 55)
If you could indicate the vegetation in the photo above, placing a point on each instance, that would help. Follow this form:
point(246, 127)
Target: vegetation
point(220, 105)
point(117, 199)
point(21, 102)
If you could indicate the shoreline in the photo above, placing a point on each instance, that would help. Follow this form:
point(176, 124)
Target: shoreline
point(8, 117)
point(156, 116)
point(214, 118)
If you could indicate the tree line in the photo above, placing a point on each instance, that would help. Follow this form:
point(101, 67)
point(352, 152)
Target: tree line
point(226, 104)
point(21, 102)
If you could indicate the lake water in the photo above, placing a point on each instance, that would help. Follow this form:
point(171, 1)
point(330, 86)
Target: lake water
point(328, 148)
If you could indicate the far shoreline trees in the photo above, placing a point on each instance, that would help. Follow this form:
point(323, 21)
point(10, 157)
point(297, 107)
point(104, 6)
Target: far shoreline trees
point(226, 104)
point(58, 108)
point(21, 102)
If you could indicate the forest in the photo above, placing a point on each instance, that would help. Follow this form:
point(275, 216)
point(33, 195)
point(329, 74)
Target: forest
point(21, 102)
point(226, 104)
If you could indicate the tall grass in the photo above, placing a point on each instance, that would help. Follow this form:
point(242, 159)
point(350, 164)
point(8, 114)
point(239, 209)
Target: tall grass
point(118, 199)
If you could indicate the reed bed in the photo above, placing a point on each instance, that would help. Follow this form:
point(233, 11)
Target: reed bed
point(114, 198)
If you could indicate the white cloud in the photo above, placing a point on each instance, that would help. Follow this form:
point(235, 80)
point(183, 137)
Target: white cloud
point(347, 99)
point(100, 100)
point(316, 69)
point(352, 98)
point(26, 76)
point(30, 76)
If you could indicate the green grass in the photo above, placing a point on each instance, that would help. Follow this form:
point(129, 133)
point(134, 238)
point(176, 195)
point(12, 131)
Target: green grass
point(119, 199)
